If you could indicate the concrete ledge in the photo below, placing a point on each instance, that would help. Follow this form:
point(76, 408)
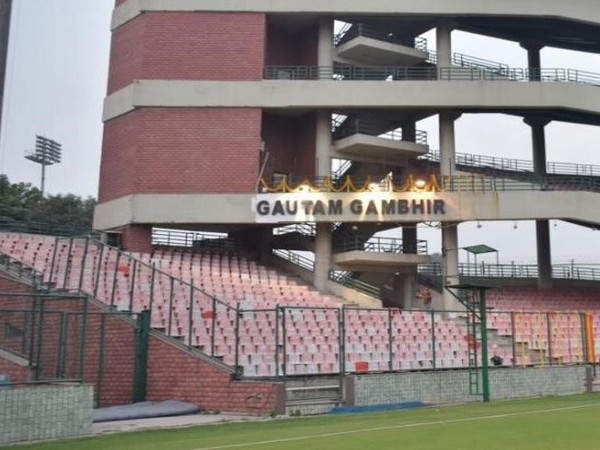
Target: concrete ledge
point(576, 10)
point(481, 95)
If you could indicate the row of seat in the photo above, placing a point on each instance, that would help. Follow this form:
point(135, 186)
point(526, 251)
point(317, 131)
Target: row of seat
point(193, 315)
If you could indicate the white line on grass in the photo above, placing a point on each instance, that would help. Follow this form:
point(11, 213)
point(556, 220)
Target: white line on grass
point(395, 427)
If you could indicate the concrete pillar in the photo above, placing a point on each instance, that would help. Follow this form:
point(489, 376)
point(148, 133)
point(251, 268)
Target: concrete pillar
point(538, 143)
point(544, 255)
point(405, 288)
point(325, 45)
point(534, 60)
point(323, 237)
point(409, 239)
point(409, 131)
point(447, 143)
point(542, 227)
point(444, 45)
point(322, 255)
point(449, 230)
point(323, 144)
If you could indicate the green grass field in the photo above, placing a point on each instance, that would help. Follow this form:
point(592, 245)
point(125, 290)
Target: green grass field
point(551, 423)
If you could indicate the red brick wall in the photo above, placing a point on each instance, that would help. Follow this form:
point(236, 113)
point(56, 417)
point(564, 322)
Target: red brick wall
point(188, 46)
point(181, 150)
point(137, 238)
point(16, 372)
point(126, 55)
point(290, 142)
point(204, 46)
point(297, 48)
point(175, 374)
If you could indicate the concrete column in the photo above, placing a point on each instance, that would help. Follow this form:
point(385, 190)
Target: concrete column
point(450, 264)
point(323, 144)
point(325, 46)
point(542, 227)
point(534, 60)
point(444, 45)
point(538, 143)
point(409, 239)
point(449, 230)
point(447, 143)
point(409, 131)
point(405, 288)
point(322, 255)
point(323, 238)
point(544, 255)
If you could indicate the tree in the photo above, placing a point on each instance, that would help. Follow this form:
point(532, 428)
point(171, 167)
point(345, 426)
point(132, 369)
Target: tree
point(22, 204)
point(18, 200)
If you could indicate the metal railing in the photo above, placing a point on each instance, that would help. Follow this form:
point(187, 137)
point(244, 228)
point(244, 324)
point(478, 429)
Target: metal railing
point(580, 272)
point(396, 73)
point(307, 229)
point(475, 183)
point(348, 243)
point(450, 183)
point(64, 339)
point(179, 238)
point(515, 165)
point(42, 228)
point(352, 31)
point(473, 62)
point(225, 329)
point(372, 128)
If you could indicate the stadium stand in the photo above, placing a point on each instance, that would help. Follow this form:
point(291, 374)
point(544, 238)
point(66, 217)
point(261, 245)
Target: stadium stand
point(255, 317)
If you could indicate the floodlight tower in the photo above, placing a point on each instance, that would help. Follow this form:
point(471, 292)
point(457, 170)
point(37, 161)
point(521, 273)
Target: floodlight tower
point(47, 152)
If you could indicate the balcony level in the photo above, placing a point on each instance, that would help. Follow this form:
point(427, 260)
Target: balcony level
point(555, 23)
point(376, 47)
point(363, 141)
point(378, 254)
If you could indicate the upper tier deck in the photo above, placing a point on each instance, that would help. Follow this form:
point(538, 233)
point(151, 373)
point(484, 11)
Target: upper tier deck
point(571, 25)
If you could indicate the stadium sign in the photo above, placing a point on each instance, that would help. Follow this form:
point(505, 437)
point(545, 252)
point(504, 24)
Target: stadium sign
point(351, 207)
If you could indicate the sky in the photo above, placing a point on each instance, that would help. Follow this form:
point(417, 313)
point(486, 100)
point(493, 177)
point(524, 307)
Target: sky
point(56, 84)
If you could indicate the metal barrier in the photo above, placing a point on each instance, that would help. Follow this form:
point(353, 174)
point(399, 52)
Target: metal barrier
point(289, 341)
point(63, 339)
point(434, 73)
point(573, 271)
point(515, 165)
point(441, 183)
point(352, 31)
point(378, 244)
point(372, 128)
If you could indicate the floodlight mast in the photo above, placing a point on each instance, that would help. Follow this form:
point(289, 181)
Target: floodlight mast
point(46, 153)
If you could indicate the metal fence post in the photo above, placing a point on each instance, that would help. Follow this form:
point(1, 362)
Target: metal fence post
point(83, 260)
point(237, 342)
point(142, 334)
point(284, 341)
point(433, 342)
point(191, 314)
point(390, 341)
point(213, 327)
point(277, 341)
point(100, 373)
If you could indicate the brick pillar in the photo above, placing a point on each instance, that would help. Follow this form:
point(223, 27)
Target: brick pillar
point(137, 238)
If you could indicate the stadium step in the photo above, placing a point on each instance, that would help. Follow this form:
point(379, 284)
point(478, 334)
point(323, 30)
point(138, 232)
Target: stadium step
point(312, 395)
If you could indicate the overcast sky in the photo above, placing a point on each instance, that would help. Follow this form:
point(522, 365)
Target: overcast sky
point(56, 82)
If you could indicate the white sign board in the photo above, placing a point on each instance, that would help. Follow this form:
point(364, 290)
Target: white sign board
point(349, 207)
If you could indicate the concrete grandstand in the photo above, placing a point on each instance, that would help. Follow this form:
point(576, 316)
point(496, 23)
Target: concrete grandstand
point(253, 152)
